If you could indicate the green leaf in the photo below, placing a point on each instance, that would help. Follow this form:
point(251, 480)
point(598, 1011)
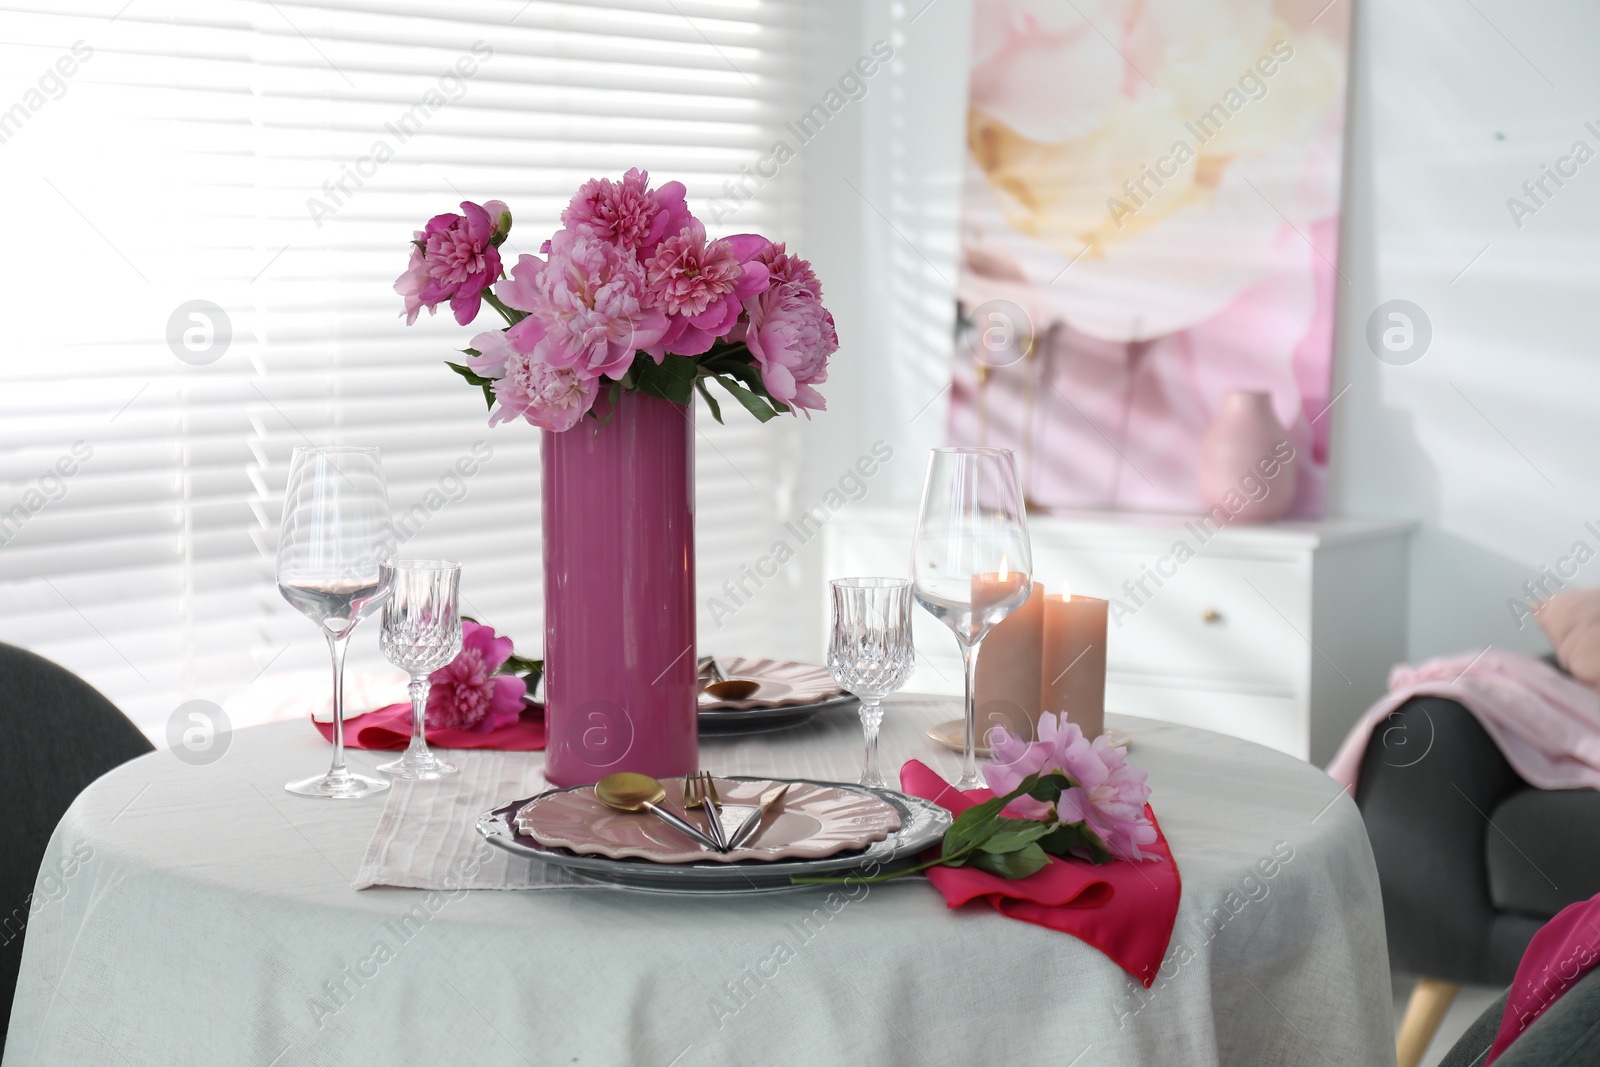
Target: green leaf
point(673, 379)
point(1012, 835)
point(1050, 787)
point(746, 373)
point(763, 410)
point(1017, 864)
point(475, 379)
point(466, 372)
point(1065, 837)
point(726, 350)
point(516, 664)
point(979, 821)
point(614, 394)
point(972, 826)
point(711, 402)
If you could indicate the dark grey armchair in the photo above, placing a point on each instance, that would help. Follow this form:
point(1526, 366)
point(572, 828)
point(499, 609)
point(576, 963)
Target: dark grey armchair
point(1567, 1034)
point(1471, 859)
point(60, 735)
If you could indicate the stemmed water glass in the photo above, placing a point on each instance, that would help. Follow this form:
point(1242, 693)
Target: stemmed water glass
point(335, 534)
point(870, 653)
point(971, 561)
point(421, 633)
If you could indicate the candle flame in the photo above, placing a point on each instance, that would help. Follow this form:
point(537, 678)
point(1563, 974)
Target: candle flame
point(1004, 571)
point(1066, 591)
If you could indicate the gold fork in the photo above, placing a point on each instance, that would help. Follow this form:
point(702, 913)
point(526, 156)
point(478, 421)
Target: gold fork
point(700, 790)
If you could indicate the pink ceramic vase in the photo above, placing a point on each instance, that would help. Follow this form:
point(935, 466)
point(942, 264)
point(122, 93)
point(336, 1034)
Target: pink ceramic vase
point(1247, 465)
point(619, 645)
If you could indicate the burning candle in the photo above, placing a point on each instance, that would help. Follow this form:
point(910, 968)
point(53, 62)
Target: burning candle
point(1073, 677)
point(1010, 666)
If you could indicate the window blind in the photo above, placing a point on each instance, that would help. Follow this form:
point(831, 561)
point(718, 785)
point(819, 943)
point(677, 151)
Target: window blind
point(218, 195)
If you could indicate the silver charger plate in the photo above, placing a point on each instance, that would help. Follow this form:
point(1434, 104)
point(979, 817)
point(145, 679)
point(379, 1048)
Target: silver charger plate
point(715, 721)
point(922, 823)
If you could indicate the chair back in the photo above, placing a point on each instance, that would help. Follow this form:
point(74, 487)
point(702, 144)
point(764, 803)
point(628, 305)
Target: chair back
point(57, 734)
point(1567, 1034)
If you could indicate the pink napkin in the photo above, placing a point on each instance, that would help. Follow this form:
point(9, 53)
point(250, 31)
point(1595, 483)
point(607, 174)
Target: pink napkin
point(1563, 951)
point(390, 727)
point(1124, 909)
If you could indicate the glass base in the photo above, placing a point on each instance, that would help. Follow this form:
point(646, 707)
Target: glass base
point(346, 786)
point(425, 768)
point(873, 781)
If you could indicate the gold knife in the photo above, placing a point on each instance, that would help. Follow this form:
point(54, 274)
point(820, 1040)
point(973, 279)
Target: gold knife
point(752, 822)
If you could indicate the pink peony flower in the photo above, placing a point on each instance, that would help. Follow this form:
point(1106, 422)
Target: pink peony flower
point(459, 261)
point(702, 285)
point(1108, 795)
point(499, 220)
point(494, 349)
point(627, 214)
point(790, 334)
point(467, 694)
point(410, 284)
point(551, 398)
point(587, 306)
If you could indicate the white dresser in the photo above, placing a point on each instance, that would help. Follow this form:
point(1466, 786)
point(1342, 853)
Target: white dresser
point(1280, 634)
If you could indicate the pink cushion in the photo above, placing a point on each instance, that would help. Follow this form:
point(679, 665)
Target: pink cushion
point(1572, 623)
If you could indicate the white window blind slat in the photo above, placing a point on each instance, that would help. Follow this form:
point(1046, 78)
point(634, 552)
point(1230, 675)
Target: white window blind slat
point(181, 161)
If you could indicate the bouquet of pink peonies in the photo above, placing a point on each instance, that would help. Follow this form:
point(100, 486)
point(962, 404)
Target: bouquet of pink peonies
point(630, 294)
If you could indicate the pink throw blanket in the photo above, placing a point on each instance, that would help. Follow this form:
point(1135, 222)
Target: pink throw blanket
point(1546, 724)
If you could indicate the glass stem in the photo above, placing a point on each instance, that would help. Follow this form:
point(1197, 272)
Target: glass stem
point(336, 649)
point(418, 689)
point(871, 718)
point(969, 748)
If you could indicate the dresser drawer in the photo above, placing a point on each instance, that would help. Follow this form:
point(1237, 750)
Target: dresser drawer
point(1224, 618)
point(1274, 721)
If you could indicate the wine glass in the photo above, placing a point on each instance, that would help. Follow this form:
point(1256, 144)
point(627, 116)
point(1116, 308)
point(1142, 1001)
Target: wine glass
point(421, 633)
point(870, 653)
point(336, 532)
point(971, 561)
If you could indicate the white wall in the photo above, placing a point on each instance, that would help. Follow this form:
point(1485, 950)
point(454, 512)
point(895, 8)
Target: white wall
point(1490, 439)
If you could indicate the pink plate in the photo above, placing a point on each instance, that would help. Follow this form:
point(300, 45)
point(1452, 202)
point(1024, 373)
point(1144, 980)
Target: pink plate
point(784, 683)
point(810, 822)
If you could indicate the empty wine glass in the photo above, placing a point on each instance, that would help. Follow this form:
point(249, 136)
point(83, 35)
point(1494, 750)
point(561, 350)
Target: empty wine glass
point(335, 534)
point(421, 633)
point(971, 561)
point(870, 653)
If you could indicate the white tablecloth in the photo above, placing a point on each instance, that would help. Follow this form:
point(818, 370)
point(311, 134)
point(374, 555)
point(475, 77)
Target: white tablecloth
point(208, 918)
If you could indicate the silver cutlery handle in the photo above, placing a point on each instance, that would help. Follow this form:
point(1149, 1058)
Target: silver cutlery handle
point(681, 825)
point(714, 823)
point(746, 829)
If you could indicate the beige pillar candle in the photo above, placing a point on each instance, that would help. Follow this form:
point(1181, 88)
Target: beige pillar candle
point(1074, 660)
point(1006, 690)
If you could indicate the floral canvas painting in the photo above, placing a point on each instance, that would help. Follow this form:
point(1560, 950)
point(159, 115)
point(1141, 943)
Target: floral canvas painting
point(1150, 221)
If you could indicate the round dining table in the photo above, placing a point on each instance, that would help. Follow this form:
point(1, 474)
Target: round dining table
point(199, 914)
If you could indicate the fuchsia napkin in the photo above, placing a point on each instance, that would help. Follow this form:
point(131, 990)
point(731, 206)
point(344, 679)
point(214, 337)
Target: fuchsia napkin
point(1124, 909)
point(390, 727)
point(1563, 951)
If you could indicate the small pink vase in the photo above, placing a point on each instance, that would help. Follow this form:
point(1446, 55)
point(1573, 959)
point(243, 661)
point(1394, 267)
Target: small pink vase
point(1247, 465)
point(619, 644)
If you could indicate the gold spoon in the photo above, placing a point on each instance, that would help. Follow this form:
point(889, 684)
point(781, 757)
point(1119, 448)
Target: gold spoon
point(626, 791)
point(721, 687)
point(732, 689)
